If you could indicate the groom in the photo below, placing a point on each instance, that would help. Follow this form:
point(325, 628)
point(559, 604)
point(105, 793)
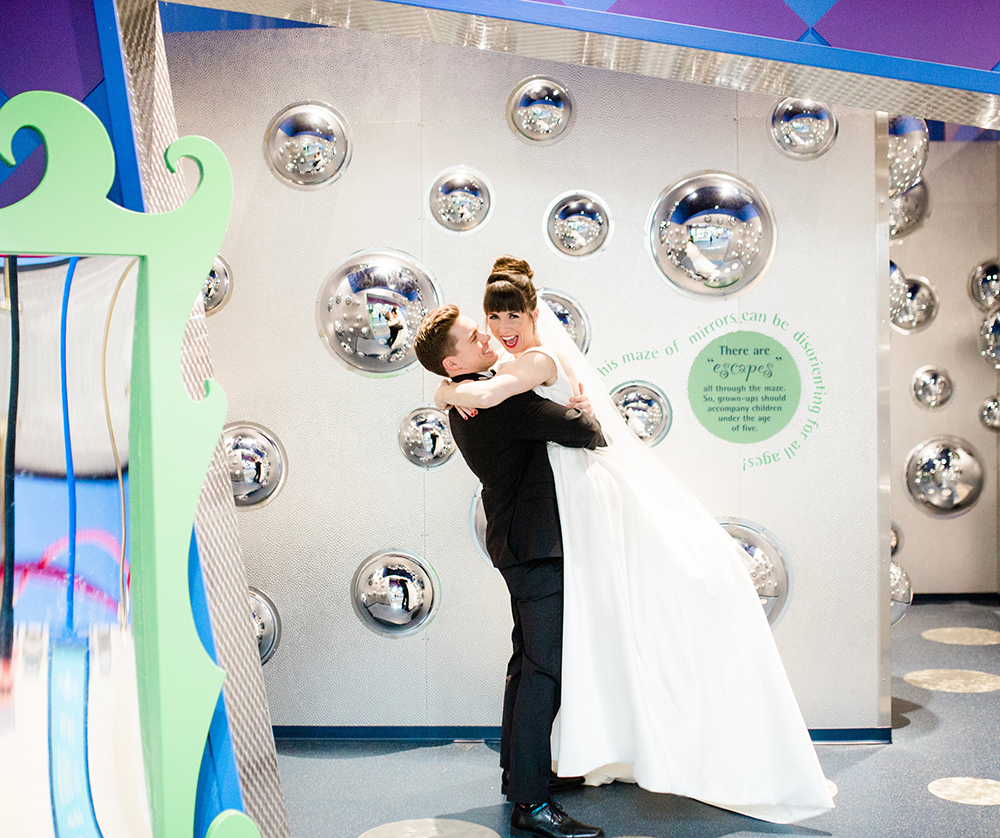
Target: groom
point(505, 446)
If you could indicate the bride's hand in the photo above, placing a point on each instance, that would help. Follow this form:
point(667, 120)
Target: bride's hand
point(581, 402)
point(441, 401)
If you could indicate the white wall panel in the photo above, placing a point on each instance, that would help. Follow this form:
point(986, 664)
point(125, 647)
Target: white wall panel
point(822, 504)
point(415, 109)
point(948, 555)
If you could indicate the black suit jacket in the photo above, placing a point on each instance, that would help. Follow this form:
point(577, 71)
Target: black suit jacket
point(505, 447)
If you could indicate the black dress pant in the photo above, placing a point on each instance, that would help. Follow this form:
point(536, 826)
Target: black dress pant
point(534, 677)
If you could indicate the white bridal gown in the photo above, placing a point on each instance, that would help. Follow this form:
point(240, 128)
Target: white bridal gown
point(671, 678)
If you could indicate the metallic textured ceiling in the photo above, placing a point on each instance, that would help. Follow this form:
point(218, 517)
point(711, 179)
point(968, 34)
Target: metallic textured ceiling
point(634, 56)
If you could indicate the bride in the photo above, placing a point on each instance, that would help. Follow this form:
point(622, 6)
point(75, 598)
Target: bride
point(671, 678)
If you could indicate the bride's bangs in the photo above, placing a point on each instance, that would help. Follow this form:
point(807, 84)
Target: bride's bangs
point(503, 296)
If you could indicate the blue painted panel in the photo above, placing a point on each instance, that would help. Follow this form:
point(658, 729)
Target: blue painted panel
point(810, 10)
point(492, 734)
point(25, 142)
point(697, 37)
point(119, 122)
point(97, 101)
point(72, 807)
point(811, 36)
point(40, 521)
point(218, 778)
point(179, 18)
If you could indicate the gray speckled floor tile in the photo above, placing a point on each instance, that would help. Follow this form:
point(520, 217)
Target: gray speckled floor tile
point(343, 789)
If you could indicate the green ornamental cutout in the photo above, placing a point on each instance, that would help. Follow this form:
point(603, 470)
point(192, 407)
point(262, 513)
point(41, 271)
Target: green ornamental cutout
point(69, 213)
point(744, 387)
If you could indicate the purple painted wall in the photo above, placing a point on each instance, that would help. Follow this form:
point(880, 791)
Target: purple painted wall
point(57, 45)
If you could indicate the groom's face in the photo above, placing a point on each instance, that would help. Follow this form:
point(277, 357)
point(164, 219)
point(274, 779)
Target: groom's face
point(473, 352)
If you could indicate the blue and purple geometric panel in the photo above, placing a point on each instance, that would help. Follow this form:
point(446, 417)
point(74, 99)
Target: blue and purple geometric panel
point(951, 43)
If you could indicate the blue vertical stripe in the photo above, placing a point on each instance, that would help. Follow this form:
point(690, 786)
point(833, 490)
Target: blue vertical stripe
point(218, 780)
point(121, 126)
point(68, 443)
point(69, 776)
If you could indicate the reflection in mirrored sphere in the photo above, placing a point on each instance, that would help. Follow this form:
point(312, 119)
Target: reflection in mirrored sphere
point(895, 540)
point(908, 211)
point(803, 128)
point(394, 592)
point(932, 386)
point(425, 437)
point(578, 224)
point(989, 338)
point(989, 413)
point(571, 314)
point(477, 523)
point(901, 592)
point(918, 308)
point(645, 409)
point(218, 286)
point(712, 234)
point(897, 291)
point(307, 145)
point(943, 475)
point(266, 624)
point(764, 559)
point(369, 309)
point(540, 110)
point(256, 463)
point(984, 284)
point(908, 143)
point(460, 200)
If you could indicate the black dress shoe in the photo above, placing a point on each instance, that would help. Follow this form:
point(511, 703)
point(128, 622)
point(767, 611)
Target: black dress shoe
point(550, 821)
point(556, 783)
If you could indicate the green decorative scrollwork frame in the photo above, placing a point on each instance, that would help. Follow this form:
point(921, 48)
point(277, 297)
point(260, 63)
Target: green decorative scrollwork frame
point(171, 437)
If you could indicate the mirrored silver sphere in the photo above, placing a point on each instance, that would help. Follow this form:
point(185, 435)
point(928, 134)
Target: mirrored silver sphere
point(460, 200)
point(645, 409)
point(932, 386)
point(895, 539)
point(477, 523)
point(764, 559)
point(425, 437)
point(266, 624)
point(369, 309)
point(257, 463)
point(394, 592)
point(989, 338)
point(712, 234)
point(540, 110)
point(578, 224)
point(989, 413)
point(802, 128)
point(901, 596)
point(218, 286)
point(984, 284)
point(908, 144)
point(307, 145)
point(944, 476)
point(571, 314)
point(919, 306)
point(909, 210)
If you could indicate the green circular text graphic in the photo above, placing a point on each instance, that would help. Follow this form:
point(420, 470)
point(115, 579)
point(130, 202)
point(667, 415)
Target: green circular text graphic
point(744, 387)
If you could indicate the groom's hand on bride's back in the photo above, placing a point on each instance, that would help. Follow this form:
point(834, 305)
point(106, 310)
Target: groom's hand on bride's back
point(581, 402)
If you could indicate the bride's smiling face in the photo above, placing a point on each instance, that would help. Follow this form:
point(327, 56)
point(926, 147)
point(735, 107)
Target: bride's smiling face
point(514, 329)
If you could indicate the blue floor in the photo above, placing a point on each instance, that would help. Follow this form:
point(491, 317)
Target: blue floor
point(341, 790)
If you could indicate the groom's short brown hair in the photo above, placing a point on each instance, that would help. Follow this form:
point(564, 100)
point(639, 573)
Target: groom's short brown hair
point(434, 341)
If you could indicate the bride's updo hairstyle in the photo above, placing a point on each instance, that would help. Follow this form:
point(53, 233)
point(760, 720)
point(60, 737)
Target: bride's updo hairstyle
point(509, 287)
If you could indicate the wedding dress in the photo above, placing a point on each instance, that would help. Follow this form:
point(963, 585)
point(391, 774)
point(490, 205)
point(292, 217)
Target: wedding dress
point(671, 677)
